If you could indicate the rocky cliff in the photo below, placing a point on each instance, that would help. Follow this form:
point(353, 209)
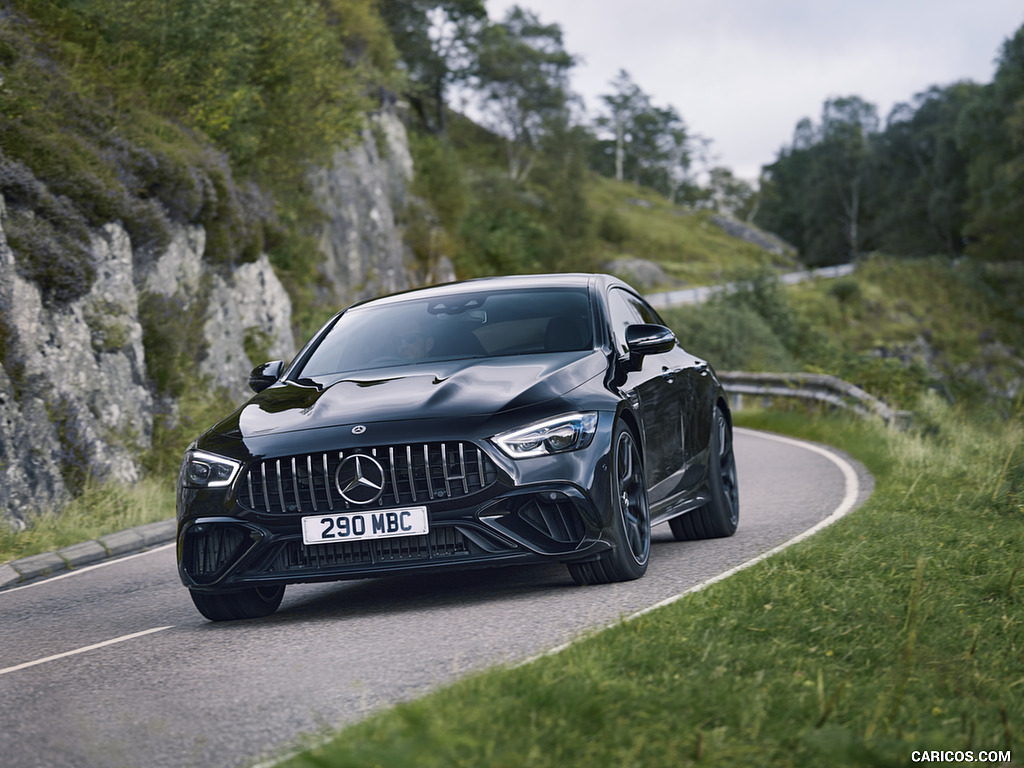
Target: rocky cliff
point(77, 397)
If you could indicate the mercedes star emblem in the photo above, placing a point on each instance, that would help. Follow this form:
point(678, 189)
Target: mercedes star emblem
point(360, 479)
point(358, 429)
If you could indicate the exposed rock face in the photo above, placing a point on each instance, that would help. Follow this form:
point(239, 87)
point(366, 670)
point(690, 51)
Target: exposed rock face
point(360, 195)
point(76, 397)
point(82, 366)
point(248, 303)
point(754, 235)
point(79, 401)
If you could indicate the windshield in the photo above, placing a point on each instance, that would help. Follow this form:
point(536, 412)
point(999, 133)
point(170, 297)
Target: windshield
point(462, 325)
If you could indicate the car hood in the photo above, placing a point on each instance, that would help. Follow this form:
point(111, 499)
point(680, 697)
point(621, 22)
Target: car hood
point(437, 390)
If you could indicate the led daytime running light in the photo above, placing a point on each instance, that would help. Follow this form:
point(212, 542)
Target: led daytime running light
point(558, 435)
point(208, 470)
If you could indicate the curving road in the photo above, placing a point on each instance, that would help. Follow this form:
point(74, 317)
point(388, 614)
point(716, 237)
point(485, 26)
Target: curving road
point(111, 665)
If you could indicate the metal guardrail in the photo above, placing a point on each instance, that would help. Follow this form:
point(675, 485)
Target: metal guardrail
point(816, 387)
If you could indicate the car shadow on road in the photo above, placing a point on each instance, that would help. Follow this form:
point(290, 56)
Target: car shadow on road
point(415, 593)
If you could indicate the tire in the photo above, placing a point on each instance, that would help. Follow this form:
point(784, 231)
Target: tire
point(720, 516)
point(631, 519)
point(250, 603)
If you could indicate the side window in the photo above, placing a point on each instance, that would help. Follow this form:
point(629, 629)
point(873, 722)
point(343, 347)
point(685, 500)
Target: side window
point(623, 309)
point(646, 313)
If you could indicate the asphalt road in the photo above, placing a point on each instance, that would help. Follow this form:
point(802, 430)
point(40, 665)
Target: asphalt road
point(111, 665)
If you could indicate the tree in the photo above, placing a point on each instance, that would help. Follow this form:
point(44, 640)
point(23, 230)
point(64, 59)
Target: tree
point(649, 145)
point(991, 133)
point(843, 170)
point(437, 41)
point(522, 73)
point(623, 104)
point(815, 195)
point(729, 194)
point(923, 188)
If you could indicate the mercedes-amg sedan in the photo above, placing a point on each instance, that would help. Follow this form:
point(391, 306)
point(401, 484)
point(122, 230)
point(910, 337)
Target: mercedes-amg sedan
point(491, 422)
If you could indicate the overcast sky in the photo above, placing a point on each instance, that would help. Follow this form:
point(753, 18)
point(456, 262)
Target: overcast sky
point(743, 72)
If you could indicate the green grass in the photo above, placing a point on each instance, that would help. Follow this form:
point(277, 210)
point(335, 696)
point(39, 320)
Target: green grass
point(99, 510)
point(898, 628)
point(688, 245)
point(962, 321)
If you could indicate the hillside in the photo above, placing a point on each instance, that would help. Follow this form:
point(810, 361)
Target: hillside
point(151, 257)
point(158, 238)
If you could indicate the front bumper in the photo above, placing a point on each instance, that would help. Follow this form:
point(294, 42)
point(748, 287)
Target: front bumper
point(484, 509)
point(548, 522)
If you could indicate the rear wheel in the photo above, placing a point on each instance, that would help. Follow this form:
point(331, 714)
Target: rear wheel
point(631, 519)
point(720, 516)
point(249, 603)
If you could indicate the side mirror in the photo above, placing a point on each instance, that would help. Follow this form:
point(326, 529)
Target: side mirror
point(263, 376)
point(648, 339)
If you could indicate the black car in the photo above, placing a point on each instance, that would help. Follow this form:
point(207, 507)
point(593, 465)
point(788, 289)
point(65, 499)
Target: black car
point(490, 422)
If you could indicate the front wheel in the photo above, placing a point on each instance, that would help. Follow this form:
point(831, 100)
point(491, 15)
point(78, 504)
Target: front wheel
point(249, 603)
point(720, 516)
point(631, 519)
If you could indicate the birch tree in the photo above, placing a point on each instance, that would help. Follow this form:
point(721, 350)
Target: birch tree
point(523, 78)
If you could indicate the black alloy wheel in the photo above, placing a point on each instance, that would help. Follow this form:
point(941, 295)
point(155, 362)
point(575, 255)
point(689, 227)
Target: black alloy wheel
point(249, 603)
point(720, 516)
point(631, 519)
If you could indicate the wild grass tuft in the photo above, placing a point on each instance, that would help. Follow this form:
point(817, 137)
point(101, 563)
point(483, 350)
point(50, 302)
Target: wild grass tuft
point(100, 509)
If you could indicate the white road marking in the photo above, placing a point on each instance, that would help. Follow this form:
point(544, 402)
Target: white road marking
point(852, 491)
point(77, 651)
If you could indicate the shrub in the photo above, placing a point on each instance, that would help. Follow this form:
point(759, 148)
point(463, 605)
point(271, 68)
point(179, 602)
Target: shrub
point(440, 179)
point(613, 227)
point(732, 336)
point(49, 237)
point(172, 339)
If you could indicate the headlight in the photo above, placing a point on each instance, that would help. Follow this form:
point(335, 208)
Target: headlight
point(207, 470)
point(562, 433)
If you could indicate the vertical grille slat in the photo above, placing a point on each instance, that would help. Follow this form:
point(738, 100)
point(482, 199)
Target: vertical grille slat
point(426, 471)
point(295, 485)
point(311, 483)
point(414, 474)
point(444, 463)
point(280, 485)
point(327, 483)
point(266, 495)
point(409, 472)
point(394, 476)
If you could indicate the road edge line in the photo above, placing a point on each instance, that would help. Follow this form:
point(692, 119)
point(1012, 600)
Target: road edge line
point(849, 502)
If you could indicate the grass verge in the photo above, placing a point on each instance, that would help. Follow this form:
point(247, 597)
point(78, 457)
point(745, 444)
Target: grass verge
point(897, 629)
point(97, 511)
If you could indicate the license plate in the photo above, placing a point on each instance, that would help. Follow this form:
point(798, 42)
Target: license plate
point(356, 526)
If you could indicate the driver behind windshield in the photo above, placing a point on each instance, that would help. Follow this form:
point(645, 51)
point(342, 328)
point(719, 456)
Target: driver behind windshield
point(415, 344)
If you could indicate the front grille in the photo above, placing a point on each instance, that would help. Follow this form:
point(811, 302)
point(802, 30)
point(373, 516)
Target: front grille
point(413, 474)
point(439, 543)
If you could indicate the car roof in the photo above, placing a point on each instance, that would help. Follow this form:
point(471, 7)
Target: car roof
point(505, 282)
